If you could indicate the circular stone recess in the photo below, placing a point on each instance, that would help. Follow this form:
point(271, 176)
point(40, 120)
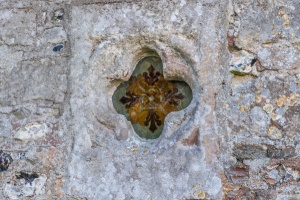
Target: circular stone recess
point(147, 98)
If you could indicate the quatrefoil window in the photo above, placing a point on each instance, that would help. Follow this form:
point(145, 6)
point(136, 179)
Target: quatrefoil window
point(147, 98)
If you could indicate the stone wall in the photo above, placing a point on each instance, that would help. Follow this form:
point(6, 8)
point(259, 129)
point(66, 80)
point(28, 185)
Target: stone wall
point(61, 62)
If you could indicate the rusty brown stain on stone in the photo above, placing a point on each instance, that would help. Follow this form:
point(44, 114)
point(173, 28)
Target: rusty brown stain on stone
point(270, 181)
point(238, 173)
point(50, 156)
point(292, 163)
point(15, 125)
point(228, 187)
point(211, 146)
point(241, 193)
point(282, 172)
point(280, 153)
point(248, 151)
point(192, 139)
point(58, 185)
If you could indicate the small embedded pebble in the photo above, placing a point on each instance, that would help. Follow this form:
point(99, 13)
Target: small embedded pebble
point(58, 48)
point(58, 15)
point(5, 161)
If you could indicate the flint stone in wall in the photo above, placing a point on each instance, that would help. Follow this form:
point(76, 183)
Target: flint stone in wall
point(32, 131)
point(242, 63)
point(21, 188)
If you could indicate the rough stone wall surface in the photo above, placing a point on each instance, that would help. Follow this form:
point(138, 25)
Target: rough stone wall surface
point(61, 61)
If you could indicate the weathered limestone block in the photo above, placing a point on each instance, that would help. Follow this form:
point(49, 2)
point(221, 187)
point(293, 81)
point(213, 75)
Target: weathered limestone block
point(179, 159)
point(268, 101)
point(9, 60)
point(262, 113)
point(54, 35)
point(259, 118)
point(17, 4)
point(279, 56)
point(44, 79)
point(264, 22)
point(18, 26)
point(268, 29)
